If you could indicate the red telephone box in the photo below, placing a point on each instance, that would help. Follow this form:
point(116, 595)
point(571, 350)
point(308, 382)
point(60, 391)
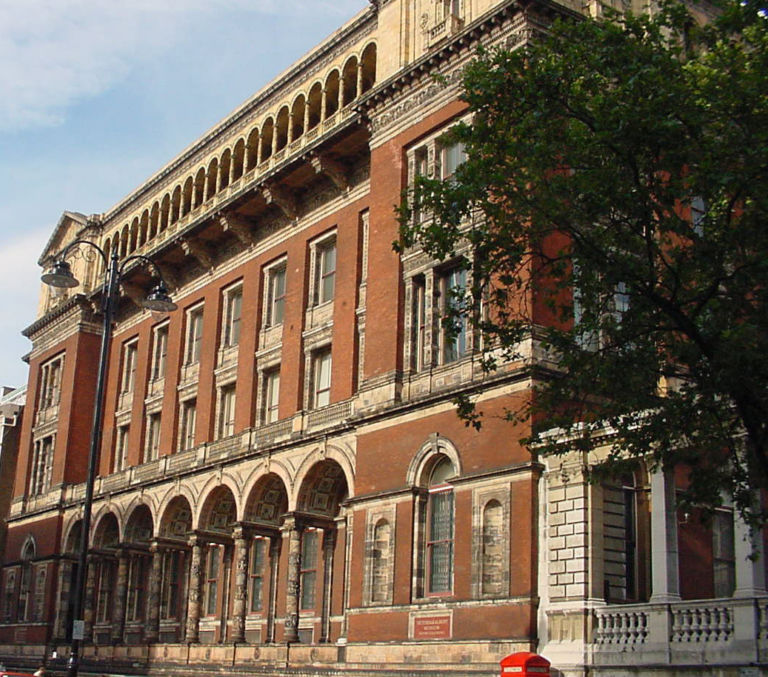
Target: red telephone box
point(524, 663)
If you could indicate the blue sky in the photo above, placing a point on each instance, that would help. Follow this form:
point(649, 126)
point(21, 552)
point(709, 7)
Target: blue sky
point(96, 95)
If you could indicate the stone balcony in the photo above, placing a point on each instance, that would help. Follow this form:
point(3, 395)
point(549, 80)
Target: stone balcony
point(724, 631)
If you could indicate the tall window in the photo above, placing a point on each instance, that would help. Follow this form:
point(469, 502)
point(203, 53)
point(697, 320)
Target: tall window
point(325, 270)
point(137, 575)
point(104, 587)
point(629, 495)
point(453, 337)
point(419, 308)
point(308, 573)
point(152, 448)
point(9, 595)
point(42, 466)
point(121, 448)
point(194, 335)
point(226, 425)
point(440, 530)
point(25, 583)
point(38, 599)
point(187, 424)
point(259, 550)
point(50, 382)
point(723, 553)
point(213, 556)
point(275, 294)
point(321, 378)
point(170, 592)
point(233, 306)
point(130, 351)
point(159, 351)
point(272, 395)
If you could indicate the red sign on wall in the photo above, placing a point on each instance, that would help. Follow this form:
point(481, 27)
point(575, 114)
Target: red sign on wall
point(432, 627)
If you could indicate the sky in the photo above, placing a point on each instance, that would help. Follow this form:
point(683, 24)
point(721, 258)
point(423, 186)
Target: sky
point(97, 95)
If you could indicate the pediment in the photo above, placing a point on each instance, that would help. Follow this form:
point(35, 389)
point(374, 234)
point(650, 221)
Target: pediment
point(70, 225)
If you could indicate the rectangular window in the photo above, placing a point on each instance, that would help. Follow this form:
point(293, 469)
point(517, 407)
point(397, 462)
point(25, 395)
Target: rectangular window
point(42, 466)
point(25, 585)
point(325, 270)
point(137, 575)
point(130, 351)
point(723, 553)
point(226, 425)
point(440, 541)
point(272, 396)
point(453, 285)
point(194, 335)
point(50, 382)
point(321, 378)
point(308, 572)
point(187, 428)
point(451, 156)
point(121, 448)
point(233, 307)
point(9, 595)
point(105, 583)
point(419, 320)
point(159, 352)
point(212, 579)
point(152, 448)
point(276, 294)
point(259, 550)
point(172, 566)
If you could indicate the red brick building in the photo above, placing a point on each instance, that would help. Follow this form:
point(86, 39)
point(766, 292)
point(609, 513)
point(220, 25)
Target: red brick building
point(283, 482)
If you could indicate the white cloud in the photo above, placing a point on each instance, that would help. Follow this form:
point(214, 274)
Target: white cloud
point(57, 52)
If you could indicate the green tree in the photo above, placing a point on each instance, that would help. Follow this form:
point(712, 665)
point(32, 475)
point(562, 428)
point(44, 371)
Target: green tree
point(617, 174)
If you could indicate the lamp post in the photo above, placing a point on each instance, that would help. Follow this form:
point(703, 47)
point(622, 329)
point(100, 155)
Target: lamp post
point(60, 275)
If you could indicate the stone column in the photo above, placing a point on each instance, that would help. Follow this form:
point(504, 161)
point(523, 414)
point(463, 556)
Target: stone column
point(293, 528)
point(665, 584)
point(274, 576)
point(193, 597)
point(152, 630)
point(289, 134)
point(323, 104)
point(241, 586)
point(306, 116)
point(329, 543)
point(360, 77)
point(750, 559)
point(121, 592)
point(90, 592)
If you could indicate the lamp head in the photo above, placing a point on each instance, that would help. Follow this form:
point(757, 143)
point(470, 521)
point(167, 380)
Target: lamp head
point(158, 299)
point(60, 275)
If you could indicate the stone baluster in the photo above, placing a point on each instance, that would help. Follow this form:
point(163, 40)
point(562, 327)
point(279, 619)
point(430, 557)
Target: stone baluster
point(241, 583)
point(121, 592)
point(195, 588)
point(152, 630)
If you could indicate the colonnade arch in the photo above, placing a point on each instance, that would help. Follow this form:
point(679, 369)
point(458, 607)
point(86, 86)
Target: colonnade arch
point(308, 109)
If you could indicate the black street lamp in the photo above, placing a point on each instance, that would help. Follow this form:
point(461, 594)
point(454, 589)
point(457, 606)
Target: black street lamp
point(60, 275)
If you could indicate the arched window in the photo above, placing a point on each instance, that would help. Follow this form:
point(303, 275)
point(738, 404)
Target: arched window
point(439, 544)
point(381, 562)
point(25, 584)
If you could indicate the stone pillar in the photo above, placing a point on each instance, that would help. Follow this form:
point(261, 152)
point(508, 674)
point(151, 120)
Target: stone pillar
point(274, 576)
point(329, 543)
point(323, 104)
point(121, 592)
point(359, 78)
point(274, 136)
point(231, 167)
point(293, 528)
point(306, 116)
point(241, 586)
point(152, 630)
point(193, 597)
point(665, 583)
point(750, 559)
point(289, 131)
point(90, 592)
